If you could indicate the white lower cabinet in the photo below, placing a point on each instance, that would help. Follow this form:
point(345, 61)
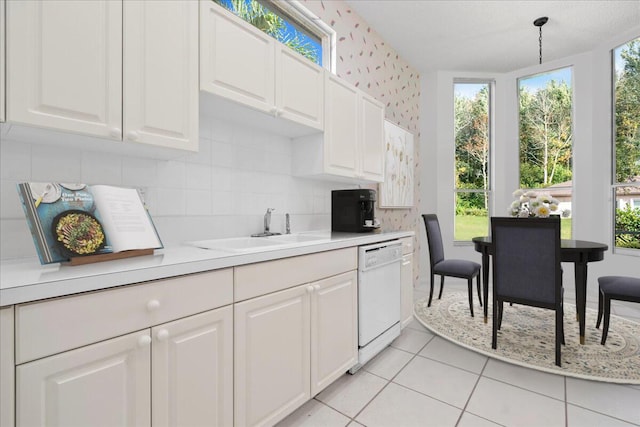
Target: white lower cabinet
point(192, 379)
point(104, 384)
point(291, 344)
point(7, 365)
point(178, 373)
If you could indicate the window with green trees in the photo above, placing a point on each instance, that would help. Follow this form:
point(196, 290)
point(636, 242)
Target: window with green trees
point(626, 140)
point(546, 138)
point(272, 20)
point(472, 133)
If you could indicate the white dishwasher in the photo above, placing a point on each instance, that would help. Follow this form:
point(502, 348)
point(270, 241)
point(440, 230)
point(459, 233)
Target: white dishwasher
point(378, 298)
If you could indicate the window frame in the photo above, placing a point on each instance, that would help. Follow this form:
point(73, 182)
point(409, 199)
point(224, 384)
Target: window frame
point(615, 185)
point(491, 84)
point(571, 68)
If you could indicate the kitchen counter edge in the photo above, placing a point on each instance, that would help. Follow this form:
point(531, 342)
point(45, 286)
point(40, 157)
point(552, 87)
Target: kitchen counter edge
point(25, 280)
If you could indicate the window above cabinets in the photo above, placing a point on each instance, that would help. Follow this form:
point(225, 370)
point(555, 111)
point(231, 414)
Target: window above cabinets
point(291, 24)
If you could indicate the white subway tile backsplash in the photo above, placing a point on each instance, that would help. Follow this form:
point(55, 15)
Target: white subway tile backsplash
point(55, 164)
point(171, 174)
point(15, 160)
point(10, 205)
point(101, 168)
point(198, 177)
point(170, 201)
point(221, 131)
point(221, 179)
point(139, 172)
point(221, 191)
point(222, 154)
point(222, 203)
point(198, 202)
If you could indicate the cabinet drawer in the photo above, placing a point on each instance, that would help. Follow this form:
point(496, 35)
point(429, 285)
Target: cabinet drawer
point(56, 325)
point(262, 278)
point(407, 245)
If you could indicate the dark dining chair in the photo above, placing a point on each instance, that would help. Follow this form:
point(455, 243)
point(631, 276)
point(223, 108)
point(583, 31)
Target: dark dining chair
point(460, 268)
point(526, 269)
point(620, 288)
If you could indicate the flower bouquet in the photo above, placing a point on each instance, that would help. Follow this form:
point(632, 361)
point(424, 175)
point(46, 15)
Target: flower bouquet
point(530, 204)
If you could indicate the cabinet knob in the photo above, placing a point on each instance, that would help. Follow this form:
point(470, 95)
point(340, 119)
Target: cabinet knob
point(162, 335)
point(153, 305)
point(309, 289)
point(133, 135)
point(116, 133)
point(144, 341)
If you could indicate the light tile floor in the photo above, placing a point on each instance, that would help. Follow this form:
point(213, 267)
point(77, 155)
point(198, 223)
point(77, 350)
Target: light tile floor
point(424, 380)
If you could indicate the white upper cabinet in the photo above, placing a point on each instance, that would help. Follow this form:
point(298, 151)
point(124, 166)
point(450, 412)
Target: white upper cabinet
point(341, 133)
point(239, 62)
point(64, 65)
point(161, 73)
point(352, 146)
point(65, 69)
point(371, 139)
point(299, 88)
point(237, 59)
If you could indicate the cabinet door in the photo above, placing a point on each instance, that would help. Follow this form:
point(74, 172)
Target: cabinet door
point(104, 384)
point(334, 329)
point(406, 289)
point(7, 364)
point(272, 345)
point(64, 65)
point(341, 127)
point(236, 59)
point(161, 73)
point(299, 88)
point(371, 139)
point(192, 375)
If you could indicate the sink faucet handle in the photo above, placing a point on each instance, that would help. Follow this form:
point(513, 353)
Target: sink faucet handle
point(287, 224)
point(267, 219)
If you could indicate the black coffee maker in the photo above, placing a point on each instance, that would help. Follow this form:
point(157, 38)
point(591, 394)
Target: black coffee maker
point(353, 210)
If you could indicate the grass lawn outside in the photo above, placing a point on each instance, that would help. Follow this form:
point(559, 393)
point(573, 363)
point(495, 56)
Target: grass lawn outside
point(467, 226)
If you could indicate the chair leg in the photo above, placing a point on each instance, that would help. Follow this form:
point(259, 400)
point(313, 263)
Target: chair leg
point(470, 289)
point(607, 310)
point(558, 336)
point(441, 286)
point(431, 290)
point(479, 291)
point(500, 310)
point(494, 324)
point(600, 302)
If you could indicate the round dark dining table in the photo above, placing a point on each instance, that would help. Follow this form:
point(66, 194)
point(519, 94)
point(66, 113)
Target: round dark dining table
point(578, 252)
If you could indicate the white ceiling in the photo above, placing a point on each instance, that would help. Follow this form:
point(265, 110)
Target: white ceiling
point(493, 36)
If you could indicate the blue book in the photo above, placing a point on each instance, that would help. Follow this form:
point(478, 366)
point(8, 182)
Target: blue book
point(77, 220)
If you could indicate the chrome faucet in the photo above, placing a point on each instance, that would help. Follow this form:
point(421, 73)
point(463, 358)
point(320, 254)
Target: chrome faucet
point(287, 223)
point(267, 220)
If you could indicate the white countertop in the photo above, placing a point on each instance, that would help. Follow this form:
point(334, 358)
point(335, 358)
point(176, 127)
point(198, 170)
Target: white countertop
point(26, 280)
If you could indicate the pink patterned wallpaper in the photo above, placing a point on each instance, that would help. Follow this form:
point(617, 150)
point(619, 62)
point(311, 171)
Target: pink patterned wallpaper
point(366, 61)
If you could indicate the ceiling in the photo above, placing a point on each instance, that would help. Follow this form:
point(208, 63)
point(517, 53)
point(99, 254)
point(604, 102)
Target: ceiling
point(493, 36)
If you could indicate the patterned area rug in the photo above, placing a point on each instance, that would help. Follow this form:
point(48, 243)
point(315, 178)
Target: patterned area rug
point(527, 338)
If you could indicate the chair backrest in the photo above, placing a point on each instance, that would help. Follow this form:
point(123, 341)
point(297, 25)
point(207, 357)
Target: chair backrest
point(526, 260)
point(434, 237)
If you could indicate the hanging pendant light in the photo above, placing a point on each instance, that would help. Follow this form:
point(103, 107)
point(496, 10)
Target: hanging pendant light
point(539, 23)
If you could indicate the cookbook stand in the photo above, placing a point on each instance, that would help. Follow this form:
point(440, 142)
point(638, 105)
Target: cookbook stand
point(90, 259)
